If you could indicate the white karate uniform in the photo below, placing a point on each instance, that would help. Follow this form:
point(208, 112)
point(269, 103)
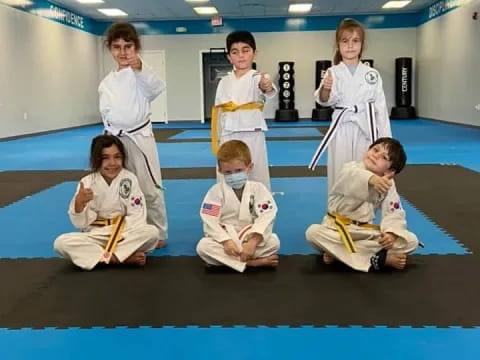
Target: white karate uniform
point(122, 197)
point(125, 98)
point(226, 218)
point(248, 126)
point(352, 137)
point(352, 197)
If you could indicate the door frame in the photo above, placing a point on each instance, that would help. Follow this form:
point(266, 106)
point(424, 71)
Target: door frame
point(165, 91)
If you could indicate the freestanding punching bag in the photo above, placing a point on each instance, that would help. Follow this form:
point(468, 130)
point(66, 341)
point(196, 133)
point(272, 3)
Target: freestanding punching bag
point(321, 113)
point(286, 97)
point(403, 90)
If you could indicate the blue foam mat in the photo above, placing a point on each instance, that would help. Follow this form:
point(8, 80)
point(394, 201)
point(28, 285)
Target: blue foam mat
point(241, 343)
point(426, 142)
point(274, 132)
point(270, 123)
point(280, 153)
point(37, 220)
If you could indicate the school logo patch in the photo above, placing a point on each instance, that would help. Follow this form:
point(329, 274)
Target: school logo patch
point(125, 188)
point(371, 77)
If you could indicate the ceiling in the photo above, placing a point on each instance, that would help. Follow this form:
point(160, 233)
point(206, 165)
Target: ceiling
point(181, 10)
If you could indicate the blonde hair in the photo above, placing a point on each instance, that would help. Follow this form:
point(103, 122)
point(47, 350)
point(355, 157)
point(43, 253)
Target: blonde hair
point(234, 150)
point(349, 25)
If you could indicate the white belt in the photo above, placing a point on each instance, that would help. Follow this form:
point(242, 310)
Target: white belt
point(369, 107)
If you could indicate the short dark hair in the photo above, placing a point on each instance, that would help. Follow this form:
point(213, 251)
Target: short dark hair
point(240, 36)
point(396, 152)
point(101, 142)
point(125, 31)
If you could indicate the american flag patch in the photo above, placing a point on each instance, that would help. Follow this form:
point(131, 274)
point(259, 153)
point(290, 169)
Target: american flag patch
point(211, 209)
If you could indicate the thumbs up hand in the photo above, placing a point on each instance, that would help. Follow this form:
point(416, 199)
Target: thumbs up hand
point(134, 62)
point(381, 183)
point(84, 195)
point(265, 83)
point(328, 81)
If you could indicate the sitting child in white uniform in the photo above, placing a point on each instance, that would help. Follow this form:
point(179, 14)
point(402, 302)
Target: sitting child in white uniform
point(238, 215)
point(109, 208)
point(347, 232)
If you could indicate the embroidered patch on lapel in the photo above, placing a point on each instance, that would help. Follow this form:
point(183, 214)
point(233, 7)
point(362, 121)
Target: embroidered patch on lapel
point(136, 201)
point(125, 188)
point(371, 77)
point(265, 206)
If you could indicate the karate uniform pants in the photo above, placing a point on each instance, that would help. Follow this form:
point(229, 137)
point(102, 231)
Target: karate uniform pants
point(86, 249)
point(154, 197)
point(213, 253)
point(324, 238)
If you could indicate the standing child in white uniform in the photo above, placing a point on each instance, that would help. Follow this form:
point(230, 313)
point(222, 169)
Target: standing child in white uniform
point(362, 187)
point(109, 208)
point(355, 91)
point(238, 215)
point(240, 98)
point(125, 96)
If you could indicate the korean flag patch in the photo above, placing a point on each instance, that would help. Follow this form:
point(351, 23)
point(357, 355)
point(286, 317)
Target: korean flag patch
point(395, 205)
point(371, 77)
point(136, 201)
point(263, 207)
point(125, 188)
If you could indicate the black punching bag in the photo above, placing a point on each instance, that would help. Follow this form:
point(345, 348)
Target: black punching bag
point(321, 113)
point(286, 93)
point(368, 62)
point(403, 90)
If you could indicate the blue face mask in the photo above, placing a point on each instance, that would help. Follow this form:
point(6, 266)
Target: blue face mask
point(237, 180)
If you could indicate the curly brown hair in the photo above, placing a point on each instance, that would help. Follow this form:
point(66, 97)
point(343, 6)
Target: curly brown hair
point(125, 31)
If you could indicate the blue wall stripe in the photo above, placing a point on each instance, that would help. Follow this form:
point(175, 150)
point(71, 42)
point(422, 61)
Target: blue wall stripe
point(67, 17)
point(437, 9)
point(58, 14)
point(278, 24)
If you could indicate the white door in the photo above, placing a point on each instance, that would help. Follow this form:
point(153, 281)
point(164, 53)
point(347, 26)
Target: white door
point(156, 59)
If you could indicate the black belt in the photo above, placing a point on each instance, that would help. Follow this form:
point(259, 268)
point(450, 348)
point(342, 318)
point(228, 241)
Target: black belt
point(355, 108)
point(135, 129)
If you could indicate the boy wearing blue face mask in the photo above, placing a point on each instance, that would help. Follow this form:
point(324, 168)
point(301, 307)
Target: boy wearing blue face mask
point(238, 215)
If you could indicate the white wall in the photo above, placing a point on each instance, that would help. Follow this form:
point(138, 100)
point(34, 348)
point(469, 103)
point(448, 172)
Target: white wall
point(183, 63)
point(51, 72)
point(448, 76)
point(48, 71)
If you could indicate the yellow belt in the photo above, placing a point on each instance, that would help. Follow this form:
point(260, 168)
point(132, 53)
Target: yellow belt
point(115, 236)
point(341, 223)
point(229, 107)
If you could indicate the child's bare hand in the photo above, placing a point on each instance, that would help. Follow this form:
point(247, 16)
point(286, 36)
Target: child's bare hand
point(84, 195)
point(328, 81)
point(386, 240)
point(265, 83)
point(380, 183)
point(231, 248)
point(135, 63)
point(249, 247)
